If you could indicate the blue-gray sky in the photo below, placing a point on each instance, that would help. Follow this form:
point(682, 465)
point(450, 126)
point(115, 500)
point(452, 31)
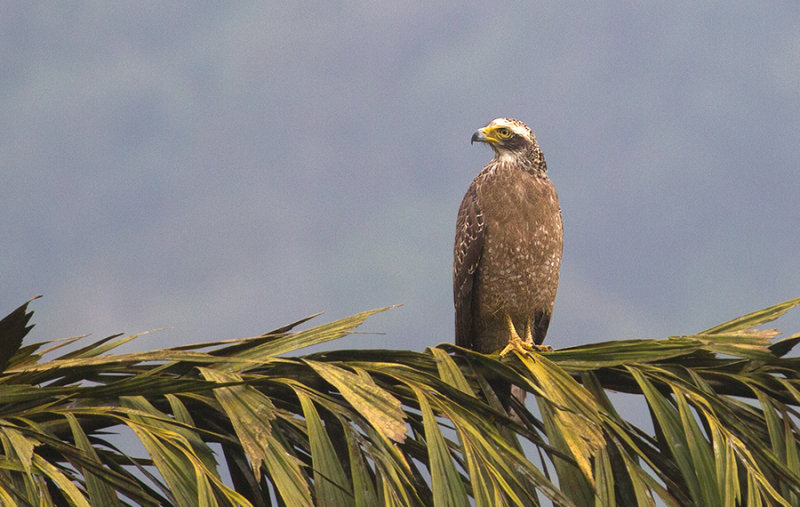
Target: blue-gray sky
point(222, 169)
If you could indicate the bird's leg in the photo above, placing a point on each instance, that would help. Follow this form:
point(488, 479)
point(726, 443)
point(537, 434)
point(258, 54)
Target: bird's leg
point(515, 342)
point(530, 343)
point(528, 334)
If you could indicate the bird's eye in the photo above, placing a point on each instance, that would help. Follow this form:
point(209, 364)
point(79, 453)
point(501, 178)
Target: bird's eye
point(503, 133)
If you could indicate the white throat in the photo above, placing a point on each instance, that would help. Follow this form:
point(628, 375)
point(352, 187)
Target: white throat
point(505, 156)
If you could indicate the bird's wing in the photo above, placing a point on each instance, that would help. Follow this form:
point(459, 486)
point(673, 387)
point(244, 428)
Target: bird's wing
point(470, 232)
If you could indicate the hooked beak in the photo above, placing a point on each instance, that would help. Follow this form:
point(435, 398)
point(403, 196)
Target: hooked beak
point(478, 136)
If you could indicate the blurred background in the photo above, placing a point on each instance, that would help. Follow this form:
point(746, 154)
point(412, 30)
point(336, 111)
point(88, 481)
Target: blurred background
point(222, 170)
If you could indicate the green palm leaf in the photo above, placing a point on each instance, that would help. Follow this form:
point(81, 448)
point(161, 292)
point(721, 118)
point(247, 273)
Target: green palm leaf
point(393, 427)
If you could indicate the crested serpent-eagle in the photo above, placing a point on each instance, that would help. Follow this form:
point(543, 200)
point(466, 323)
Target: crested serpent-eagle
point(508, 245)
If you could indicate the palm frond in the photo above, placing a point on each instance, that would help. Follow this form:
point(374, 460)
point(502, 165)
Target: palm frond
point(393, 427)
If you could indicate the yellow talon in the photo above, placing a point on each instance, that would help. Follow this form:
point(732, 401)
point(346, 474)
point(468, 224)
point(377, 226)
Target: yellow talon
point(525, 346)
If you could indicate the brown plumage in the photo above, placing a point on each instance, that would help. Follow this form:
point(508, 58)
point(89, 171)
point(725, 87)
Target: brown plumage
point(508, 244)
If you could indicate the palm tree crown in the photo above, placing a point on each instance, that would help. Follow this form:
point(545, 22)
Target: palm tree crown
point(249, 422)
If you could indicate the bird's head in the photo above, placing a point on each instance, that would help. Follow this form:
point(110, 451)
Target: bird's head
point(511, 140)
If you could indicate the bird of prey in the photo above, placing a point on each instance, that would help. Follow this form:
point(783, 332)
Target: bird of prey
point(507, 252)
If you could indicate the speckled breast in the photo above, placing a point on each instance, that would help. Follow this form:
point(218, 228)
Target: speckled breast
point(521, 258)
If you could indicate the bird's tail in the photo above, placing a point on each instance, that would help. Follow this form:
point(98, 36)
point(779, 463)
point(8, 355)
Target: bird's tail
point(519, 394)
